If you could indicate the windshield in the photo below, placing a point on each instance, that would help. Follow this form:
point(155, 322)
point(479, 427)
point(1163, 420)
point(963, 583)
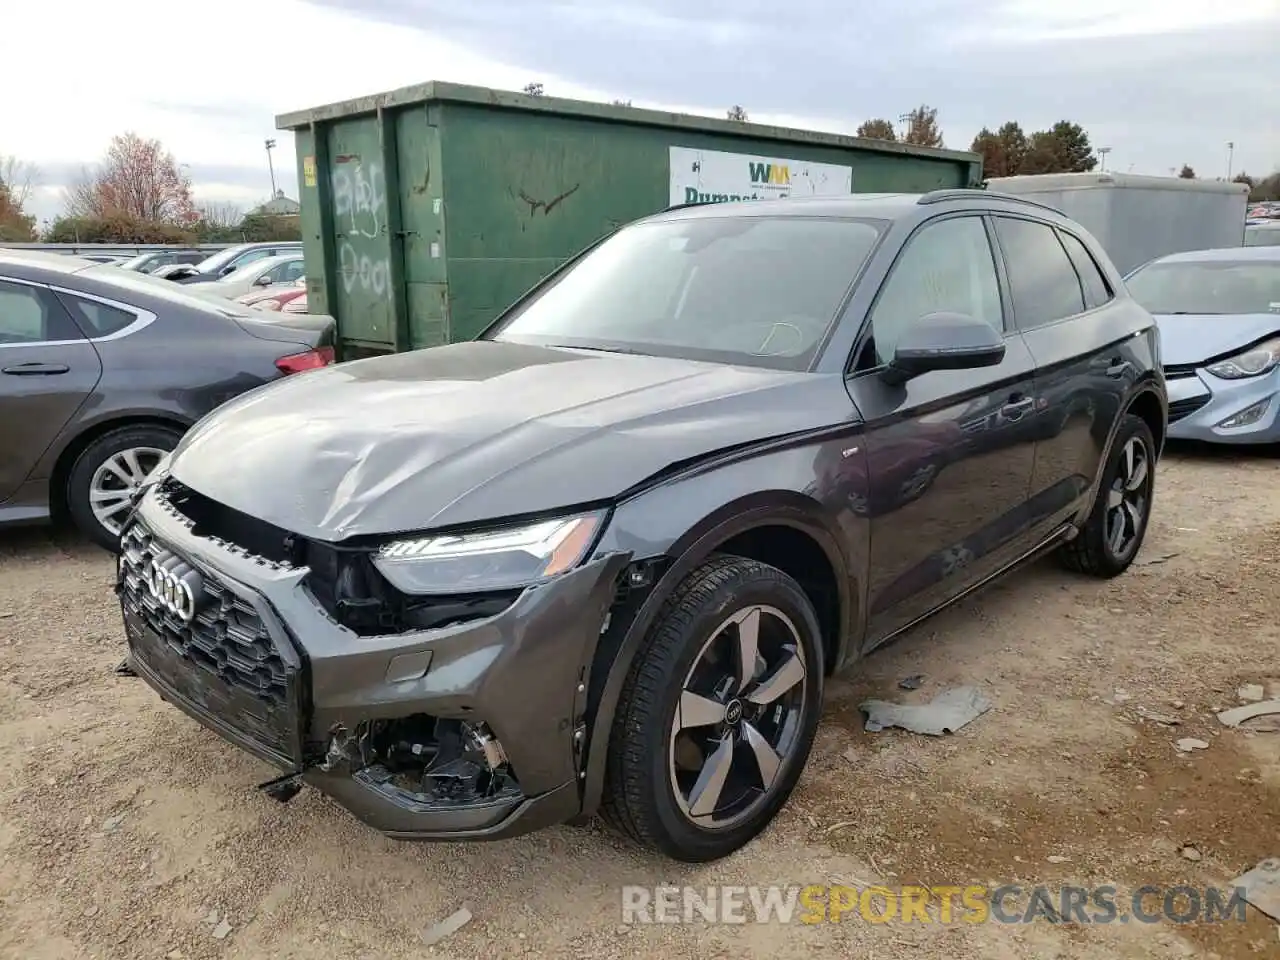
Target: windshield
point(757, 290)
point(249, 271)
point(217, 261)
point(1208, 286)
point(133, 263)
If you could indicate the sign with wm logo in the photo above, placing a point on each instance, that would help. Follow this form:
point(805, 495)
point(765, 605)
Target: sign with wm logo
point(713, 176)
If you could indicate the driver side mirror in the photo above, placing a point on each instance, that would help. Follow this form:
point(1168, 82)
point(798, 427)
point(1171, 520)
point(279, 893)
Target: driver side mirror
point(263, 281)
point(944, 341)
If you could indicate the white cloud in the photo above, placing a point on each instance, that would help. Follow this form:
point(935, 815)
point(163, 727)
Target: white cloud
point(220, 112)
point(1036, 20)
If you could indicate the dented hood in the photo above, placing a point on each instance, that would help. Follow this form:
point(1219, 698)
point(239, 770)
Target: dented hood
point(477, 431)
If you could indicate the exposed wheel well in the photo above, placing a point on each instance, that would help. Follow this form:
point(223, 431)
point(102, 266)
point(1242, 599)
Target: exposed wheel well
point(66, 459)
point(1146, 406)
point(797, 554)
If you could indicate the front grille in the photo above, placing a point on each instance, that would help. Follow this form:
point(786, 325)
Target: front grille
point(223, 659)
point(1184, 408)
point(1179, 371)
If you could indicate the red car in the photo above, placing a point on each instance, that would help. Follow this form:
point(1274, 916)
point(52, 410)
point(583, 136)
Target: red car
point(277, 297)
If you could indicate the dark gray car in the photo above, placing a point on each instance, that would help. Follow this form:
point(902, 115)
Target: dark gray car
point(604, 558)
point(102, 370)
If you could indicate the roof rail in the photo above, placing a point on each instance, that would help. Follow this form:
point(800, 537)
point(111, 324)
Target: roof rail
point(962, 193)
point(691, 203)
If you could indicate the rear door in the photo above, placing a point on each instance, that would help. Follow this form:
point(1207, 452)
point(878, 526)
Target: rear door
point(47, 370)
point(1065, 308)
point(949, 460)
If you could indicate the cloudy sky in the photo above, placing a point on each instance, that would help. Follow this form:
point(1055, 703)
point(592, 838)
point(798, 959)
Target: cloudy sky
point(1161, 82)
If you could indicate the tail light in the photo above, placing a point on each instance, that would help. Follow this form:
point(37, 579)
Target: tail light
point(310, 360)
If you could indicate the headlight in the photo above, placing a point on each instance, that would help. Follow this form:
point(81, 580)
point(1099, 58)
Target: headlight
point(501, 559)
point(1254, 362)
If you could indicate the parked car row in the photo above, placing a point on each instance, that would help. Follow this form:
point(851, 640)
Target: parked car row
point(101, 372)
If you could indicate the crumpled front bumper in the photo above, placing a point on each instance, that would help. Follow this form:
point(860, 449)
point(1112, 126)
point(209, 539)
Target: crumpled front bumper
point(523, 673)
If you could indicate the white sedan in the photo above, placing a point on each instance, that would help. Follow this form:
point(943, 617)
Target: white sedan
point(285, 268)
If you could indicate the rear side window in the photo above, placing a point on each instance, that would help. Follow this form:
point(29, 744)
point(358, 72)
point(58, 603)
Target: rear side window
point(1042, 281)
point(30, 315)
point(98, 319)
point(1096, 289)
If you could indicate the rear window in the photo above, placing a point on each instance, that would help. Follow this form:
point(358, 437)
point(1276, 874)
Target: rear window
point(97, 319)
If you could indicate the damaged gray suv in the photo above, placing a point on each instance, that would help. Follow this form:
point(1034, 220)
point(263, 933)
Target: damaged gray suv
point(602, 559)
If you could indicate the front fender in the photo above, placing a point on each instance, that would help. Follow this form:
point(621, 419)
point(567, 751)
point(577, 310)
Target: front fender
point(633, 528)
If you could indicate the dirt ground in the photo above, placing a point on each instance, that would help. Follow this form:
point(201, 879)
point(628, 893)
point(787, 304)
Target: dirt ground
point(127, 831)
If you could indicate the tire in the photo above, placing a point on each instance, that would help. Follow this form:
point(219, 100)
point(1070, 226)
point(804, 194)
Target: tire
point(146, 442)
point(645, 797)
point(1092, 552)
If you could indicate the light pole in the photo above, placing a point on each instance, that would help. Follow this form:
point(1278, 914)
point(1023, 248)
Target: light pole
point(271, 166)
point(1102, 157)
point(1231, 156)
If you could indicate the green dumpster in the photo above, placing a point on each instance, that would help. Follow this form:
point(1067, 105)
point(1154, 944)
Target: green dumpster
point(428, 210)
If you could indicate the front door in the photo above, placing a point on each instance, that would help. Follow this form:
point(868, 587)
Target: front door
point(47, 369)
point(948, 454)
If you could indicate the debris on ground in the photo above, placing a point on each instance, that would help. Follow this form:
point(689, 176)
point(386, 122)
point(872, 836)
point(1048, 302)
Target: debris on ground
point(1189, 852)
point(222, 930)
point(1187, 744)
point(913, 682)
point(1261, 886)
point(1164, 719)
point(946, 713)
point(1238, 715)
point(1251, 693)
point(446, 927)
point(111, 824)
point(1154, 559)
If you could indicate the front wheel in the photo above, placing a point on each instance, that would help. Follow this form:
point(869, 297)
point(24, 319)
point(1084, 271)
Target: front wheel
point(1113, 534)
point(106, 475)
point(718, 713)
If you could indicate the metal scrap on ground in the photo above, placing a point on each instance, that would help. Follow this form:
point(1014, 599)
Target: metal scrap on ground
point(1261, 886)
point(946, 713)
point(446, 927)
point(1238, 715)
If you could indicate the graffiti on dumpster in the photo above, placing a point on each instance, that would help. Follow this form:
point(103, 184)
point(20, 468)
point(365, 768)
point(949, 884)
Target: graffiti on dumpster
point(360, 204)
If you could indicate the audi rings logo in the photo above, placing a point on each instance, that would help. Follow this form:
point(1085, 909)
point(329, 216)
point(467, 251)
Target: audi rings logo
point(176, 585)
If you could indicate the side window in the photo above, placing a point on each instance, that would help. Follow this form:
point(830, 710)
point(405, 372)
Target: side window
point(1096, 289)
point(97, 319)
point(293, 270)
point(946, 267)
point(32, 315)
point(1042, 281)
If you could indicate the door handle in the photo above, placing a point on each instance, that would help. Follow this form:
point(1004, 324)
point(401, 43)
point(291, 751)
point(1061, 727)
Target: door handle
point(1014, 409)
point(36, 369)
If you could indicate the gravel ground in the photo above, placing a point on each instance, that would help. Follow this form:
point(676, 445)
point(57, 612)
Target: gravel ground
point(127, 831)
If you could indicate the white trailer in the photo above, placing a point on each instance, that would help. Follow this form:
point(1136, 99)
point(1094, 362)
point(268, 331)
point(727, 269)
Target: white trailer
point(1137, 218)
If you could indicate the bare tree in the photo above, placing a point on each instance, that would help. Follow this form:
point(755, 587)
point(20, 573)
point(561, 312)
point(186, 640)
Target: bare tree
point(221, 215)
point(533, 89)
point(137, 178)
point(738, 113)
point(19, 178)
point(622, 103)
